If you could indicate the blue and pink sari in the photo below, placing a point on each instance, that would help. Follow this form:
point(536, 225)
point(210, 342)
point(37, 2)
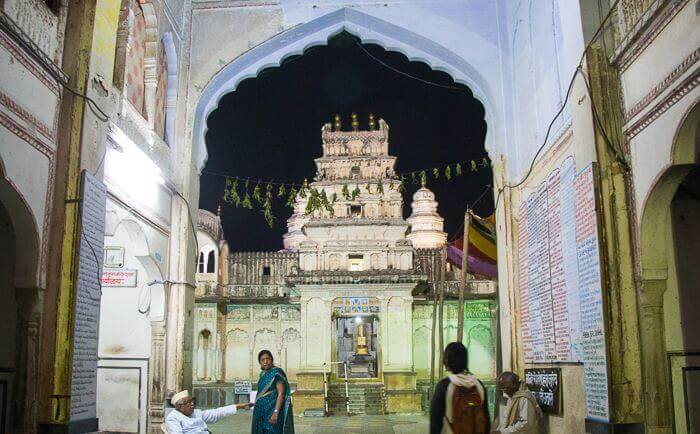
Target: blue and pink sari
point(265, 404)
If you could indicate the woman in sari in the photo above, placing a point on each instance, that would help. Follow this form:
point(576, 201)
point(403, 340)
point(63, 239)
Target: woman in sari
point(273, 405)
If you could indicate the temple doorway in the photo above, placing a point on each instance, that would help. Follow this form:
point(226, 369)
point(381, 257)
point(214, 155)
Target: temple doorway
point(357, 346)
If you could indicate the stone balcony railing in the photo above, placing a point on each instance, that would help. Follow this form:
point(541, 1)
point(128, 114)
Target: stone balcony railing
point(473, 289)
point(356, 277)
point(255, 291)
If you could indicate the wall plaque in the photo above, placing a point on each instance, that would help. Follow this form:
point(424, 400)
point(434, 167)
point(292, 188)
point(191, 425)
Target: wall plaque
point(242, 387)
point(114, 257)
point(545, 384)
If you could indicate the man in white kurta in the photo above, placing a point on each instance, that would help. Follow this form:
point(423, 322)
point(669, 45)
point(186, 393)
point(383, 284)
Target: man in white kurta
point(185, 419)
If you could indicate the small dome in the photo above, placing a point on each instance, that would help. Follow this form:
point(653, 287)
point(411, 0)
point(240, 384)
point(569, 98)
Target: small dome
point(423, 194)
point(425, 222)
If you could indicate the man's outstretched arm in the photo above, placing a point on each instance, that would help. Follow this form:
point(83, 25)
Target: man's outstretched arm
point(213, 415)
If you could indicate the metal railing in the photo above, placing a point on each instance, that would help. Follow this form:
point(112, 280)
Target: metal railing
point(326, 379)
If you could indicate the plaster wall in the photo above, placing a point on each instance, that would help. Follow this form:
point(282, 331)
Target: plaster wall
point(127, 351)
point(657, 74)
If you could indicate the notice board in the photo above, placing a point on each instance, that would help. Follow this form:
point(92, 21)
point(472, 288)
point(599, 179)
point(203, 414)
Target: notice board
point(560, 286)
point(83, 411)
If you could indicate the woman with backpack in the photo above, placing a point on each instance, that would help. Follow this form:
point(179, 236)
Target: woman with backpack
point(459, 404)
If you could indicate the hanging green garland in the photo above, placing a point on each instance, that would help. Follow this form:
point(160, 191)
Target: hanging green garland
point(317, 199)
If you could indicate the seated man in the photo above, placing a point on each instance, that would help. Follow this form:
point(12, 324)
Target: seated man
point(185, 419)
point(522, 412)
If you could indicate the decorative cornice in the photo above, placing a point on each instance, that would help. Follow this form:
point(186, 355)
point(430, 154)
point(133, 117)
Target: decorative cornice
point(647, 29)
point(662, 106)
point(679, 70)
point(23, 40)
point(27, 116)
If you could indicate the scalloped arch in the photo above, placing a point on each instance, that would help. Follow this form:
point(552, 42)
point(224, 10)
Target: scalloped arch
point(295, 41)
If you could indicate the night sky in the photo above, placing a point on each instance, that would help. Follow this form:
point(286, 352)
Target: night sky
point(270, 128)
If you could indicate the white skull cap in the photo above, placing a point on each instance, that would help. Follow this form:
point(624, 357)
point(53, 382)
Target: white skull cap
point(178, 396)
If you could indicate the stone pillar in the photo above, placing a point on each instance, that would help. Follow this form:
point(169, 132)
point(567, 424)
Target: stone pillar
point(221, 335)
point(156, 378)
point(26, 372)
point(657, 389)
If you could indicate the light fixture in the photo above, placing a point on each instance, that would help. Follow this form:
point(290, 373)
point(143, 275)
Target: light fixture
point(358, 319)
point(131, 170)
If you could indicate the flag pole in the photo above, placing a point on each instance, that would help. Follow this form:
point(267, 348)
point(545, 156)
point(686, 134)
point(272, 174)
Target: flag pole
point(432, 330)
point(463, 283)
point(443, 260)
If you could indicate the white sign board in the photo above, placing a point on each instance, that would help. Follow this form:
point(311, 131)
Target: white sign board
point(122, 278)
point(242, 387)
point(560, 280)
point(83, 415)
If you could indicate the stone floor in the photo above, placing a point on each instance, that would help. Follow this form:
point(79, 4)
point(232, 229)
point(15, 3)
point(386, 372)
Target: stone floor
point(404, 424)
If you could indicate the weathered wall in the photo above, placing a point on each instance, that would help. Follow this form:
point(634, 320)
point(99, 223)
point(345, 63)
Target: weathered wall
point(657, 58)
point(480, 337)
point(248, 330)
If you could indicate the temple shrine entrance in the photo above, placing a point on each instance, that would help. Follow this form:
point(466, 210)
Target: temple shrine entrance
point(356, 343)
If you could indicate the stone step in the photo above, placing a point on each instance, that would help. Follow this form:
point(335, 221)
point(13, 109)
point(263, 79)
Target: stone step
point(363, 398)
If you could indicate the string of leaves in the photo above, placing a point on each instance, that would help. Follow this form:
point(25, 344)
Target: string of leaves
point(263, 192)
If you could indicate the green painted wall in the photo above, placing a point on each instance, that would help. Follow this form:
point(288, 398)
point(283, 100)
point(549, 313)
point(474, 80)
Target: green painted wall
point(480, 336)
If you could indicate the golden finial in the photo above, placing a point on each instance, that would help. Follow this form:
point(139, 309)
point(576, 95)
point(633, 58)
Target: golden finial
point(371, 121)
point(337, 123)
point(218, 211)
point(355, 123)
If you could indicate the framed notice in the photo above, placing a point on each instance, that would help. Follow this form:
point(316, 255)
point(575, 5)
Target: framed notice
point(114, 257)
point(545, 384)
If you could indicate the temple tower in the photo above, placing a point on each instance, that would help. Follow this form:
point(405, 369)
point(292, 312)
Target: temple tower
point(362, 227)
point(426, 224)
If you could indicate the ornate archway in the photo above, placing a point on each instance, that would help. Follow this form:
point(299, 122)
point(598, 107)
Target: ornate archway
point(368, 29)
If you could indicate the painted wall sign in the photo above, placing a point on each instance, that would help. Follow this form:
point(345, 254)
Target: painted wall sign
point(545, 384)
point(83, 414)
point(121, 278)
point(355, 305)
point(560, 280)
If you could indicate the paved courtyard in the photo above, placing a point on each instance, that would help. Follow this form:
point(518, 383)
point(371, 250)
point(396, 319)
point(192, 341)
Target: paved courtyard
point(405, 424)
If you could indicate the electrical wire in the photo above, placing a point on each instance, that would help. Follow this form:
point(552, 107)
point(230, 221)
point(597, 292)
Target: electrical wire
point(443, 86)
point(579, 69)
point(461, 225)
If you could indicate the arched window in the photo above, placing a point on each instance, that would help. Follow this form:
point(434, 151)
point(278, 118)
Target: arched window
point(204, 343)
point(200, 265)
point(211, 263)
